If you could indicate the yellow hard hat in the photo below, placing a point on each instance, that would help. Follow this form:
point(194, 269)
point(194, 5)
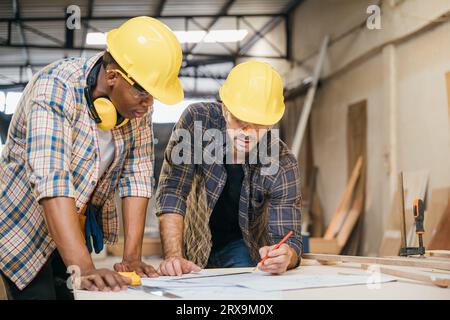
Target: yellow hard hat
point(253, 92)
point(151, 55)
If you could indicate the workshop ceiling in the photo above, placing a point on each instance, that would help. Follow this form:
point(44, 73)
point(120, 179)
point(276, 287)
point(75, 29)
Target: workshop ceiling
point(33, 34)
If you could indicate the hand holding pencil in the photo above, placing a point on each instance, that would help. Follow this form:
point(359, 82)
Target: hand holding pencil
point(276, 259)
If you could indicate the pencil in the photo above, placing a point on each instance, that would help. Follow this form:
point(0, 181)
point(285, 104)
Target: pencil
point(275, 248)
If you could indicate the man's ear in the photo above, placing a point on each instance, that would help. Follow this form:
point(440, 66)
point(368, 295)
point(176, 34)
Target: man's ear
point(224, 111)
point(111, 77)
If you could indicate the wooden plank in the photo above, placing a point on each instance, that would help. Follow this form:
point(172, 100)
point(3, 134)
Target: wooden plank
point(442, 282)
point(316, 211)
point(416, 185)
point(356, 147)
point(391, 243)
point(345, 202)
point(400, 261)
point(356, 133)
point(352, 218)
point(439, 199)
point(321, 245)
point(441, 240)
point(401, 213)
point(438, 253)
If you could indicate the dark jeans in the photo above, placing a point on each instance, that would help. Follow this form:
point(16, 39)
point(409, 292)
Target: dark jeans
point(233, 255)
point(49, 283)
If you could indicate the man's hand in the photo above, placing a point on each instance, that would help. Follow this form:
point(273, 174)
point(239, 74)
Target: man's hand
point(171, 229)
point(141, 268)
point(176, 266)
point(104, 280)
point(279, 259)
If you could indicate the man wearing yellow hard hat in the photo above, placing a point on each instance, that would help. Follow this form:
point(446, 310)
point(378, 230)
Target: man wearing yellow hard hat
point(82, 129)
point(230, 213)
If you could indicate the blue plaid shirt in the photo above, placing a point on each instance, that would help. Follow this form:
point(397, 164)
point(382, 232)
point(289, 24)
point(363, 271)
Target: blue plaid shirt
point(269, 205)
point(52, 151)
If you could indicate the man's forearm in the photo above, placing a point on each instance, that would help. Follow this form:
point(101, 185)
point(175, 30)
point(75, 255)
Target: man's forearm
point(294, 259)
point(134, 212)
point(171, 230)
point(64, 227)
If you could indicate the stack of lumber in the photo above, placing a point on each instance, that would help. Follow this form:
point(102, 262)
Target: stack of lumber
point(345, 217)
point(412, 268)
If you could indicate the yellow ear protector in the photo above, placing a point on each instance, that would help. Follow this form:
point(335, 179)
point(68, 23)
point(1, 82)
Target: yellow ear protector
point(102, 110)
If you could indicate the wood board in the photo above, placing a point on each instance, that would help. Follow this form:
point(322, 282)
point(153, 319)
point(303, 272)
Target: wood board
point(397, 261)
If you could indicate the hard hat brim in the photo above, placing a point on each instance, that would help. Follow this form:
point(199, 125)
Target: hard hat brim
point(250, 117)
point(170, 95)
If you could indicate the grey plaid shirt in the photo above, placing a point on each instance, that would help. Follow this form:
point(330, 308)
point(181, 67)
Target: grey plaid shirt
point(269, 205)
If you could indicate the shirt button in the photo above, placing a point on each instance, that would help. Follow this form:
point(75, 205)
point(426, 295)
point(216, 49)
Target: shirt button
point(93, 182)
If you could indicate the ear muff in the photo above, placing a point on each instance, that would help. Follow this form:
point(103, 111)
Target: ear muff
point(107, 114)
point(102, 110)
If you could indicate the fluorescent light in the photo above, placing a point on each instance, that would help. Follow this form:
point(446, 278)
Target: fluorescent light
point(225, 35)
point(190, 36)
point(170, 114)
point(96, 38)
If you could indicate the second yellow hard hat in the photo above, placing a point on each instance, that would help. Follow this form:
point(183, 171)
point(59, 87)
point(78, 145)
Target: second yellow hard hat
point(253, 92)
point(150, 53)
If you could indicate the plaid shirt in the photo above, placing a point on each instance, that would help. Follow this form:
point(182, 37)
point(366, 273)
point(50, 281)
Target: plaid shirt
point(52, 151)
point(269, 205)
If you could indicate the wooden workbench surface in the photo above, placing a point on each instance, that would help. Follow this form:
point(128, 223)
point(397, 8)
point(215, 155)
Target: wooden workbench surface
point(400, 289)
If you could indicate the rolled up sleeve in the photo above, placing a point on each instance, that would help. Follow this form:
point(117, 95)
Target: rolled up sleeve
point(137, 174)
point(284, 207)
point(48, 140)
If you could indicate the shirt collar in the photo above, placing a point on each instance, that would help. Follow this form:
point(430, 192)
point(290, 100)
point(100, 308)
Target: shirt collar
point(90, 63)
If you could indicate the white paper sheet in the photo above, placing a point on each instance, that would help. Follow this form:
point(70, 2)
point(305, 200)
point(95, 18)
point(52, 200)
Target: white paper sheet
point(259, 281)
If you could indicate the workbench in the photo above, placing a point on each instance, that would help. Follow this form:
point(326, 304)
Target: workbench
point(401, 289)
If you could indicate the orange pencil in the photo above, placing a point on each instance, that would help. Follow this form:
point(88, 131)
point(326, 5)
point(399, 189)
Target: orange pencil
point(276, 247)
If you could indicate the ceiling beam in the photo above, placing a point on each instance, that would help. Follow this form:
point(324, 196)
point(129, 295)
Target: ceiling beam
point(47, 19)
point(195, 73)
point(43, 34)
point(18, 18)
point(160, 9)
point(231, 51)
point(208, 55)
point(222, 12)
point(269, 26)
point(86, 22)
point(204, 62)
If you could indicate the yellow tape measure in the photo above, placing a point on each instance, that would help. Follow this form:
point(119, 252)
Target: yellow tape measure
point(135, 278)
